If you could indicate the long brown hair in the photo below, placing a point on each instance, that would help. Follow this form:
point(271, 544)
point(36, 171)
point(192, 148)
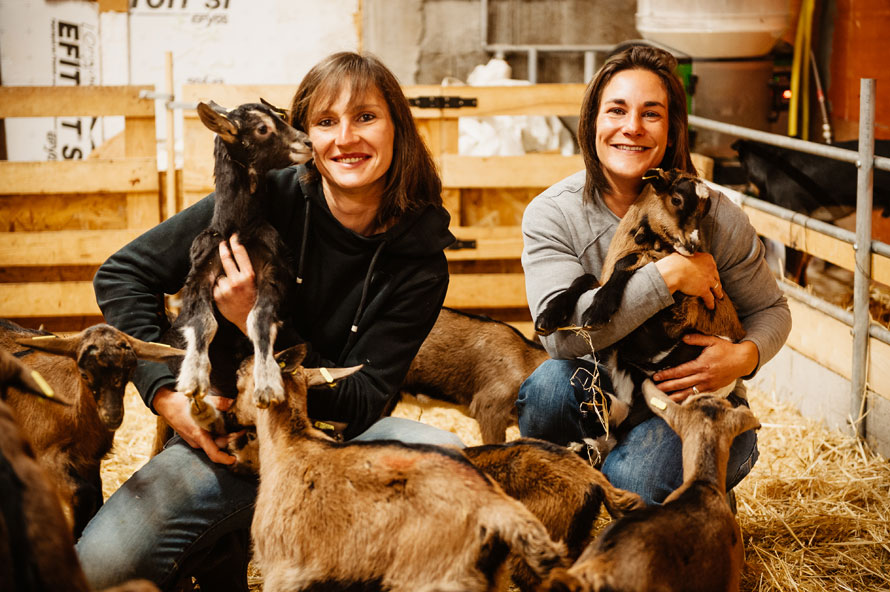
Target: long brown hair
point(663, 65)
point(412, 181)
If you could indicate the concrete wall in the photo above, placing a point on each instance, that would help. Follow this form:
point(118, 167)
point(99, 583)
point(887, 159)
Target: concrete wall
point(424, 41)
point(821, 394)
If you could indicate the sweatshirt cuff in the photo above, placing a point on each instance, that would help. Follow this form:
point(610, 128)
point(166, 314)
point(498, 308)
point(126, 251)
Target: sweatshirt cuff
point(149, 377)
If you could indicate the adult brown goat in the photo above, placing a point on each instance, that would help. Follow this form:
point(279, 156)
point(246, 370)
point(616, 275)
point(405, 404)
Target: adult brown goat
point(377, 515)
point(36, 545)
point(666, 218)
point(478, 362)
point(91, 370)
point(692, 543)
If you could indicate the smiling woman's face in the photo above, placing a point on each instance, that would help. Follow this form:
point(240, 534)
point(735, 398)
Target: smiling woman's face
point(631, 127)
point(353, 143)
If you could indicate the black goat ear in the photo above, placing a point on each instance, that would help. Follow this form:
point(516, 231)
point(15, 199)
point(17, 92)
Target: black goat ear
point(218, 122)
point(291, 358)
point(282, 113)
point(658, 179)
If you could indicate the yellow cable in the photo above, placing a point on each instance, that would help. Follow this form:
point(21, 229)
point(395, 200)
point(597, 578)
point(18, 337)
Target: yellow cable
point(807, 8)
point(795, 75)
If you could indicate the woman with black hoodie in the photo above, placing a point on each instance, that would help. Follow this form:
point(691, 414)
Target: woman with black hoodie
point(366, 227)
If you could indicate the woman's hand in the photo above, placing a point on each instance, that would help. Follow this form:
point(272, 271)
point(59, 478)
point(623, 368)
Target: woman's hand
point(721, 363)
point(695, 275)
point(175, 407)
point(235, 291)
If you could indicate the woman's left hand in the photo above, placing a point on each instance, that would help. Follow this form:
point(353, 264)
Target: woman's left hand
point(235, 291)
point(720, 363)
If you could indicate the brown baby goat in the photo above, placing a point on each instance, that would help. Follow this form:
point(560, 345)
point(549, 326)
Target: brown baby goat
point(560, 488)
point(90, 369)
point(478, 362)
point(377, 515)
point(36, 546)
point(692, 543)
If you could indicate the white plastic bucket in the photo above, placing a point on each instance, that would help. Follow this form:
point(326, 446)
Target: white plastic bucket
point(714, 28)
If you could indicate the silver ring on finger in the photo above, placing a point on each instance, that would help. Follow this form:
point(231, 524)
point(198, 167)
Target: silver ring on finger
point(695, 390)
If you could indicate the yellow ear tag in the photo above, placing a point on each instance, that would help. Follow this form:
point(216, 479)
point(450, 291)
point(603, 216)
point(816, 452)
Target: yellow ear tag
point(44, 386)
point(281, 364)
point(161, 344)
point(326, 375)
point(656, 402)
point(43, 337)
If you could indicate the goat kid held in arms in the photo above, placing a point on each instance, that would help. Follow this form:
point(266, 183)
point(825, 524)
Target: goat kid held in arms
point(365, 229)
point(666, 218)
point(633, 119)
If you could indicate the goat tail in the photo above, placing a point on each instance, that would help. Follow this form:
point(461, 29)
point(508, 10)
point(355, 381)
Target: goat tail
point(620, 501)
point(529, 541)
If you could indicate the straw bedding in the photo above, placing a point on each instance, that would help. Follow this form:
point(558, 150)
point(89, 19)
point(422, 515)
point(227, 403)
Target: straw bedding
point(814, 512)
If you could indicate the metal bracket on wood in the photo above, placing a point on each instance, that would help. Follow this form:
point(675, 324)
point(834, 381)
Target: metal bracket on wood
point(169, 103)
point(459, 244)
point(440, 102)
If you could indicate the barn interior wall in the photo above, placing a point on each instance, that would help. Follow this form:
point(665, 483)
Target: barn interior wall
point(823, 395)
point(445, 37)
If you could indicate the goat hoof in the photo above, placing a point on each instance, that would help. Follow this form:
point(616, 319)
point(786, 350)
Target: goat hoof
point(261, 399)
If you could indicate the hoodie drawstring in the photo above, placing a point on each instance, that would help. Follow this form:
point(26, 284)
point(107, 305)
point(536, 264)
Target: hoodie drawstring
point(353, 331)
point(303, 241)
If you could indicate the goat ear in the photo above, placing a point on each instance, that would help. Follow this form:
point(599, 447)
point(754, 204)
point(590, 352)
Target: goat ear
point(217, 122)
point(154, 352)
point(660, 404)
point(744, 420)
point(53, 344)
point(291, 358)
point(659, 180)
point(282, 113)
point(15, 373)
point(329, 376)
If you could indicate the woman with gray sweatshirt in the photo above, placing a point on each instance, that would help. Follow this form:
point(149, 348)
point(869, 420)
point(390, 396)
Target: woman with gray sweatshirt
point(633, 119)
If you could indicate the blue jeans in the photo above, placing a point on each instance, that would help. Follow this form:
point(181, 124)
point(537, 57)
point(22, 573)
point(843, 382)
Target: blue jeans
point(167, 519)
point(647, 461)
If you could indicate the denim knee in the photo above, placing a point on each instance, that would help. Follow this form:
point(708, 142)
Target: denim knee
point(547, 404)
point(175, 505)
point(409, 431)
point(649, 460)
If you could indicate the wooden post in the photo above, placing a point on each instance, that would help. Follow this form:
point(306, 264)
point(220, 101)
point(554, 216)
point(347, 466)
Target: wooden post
point(170, 186)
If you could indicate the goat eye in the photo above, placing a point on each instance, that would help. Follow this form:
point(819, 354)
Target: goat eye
point(263, 129)
point(676, 201)
point(84, 375)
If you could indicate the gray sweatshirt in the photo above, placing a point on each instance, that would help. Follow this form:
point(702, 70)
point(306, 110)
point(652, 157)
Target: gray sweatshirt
point(565, 236)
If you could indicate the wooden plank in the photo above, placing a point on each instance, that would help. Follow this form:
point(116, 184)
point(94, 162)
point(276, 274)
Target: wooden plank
point(486, 290)
point(63, 247)
point(63, 101)
point(528, 170)
point(79, 176)
point(232, 95)
point(819, 245)
point(534, 99)
point(829, 342)
point(505, 248)
point(49, 299)
point(63, 212)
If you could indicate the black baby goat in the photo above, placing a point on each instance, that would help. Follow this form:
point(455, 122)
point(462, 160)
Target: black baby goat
point(250, 141)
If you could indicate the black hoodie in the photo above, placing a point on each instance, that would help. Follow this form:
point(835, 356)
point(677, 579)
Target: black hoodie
point(358, 300)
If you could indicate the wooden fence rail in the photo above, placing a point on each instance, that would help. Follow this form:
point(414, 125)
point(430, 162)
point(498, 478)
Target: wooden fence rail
point(60, 216)
point(61, 219)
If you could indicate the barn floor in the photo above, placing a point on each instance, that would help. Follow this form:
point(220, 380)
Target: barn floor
point(814, 512)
